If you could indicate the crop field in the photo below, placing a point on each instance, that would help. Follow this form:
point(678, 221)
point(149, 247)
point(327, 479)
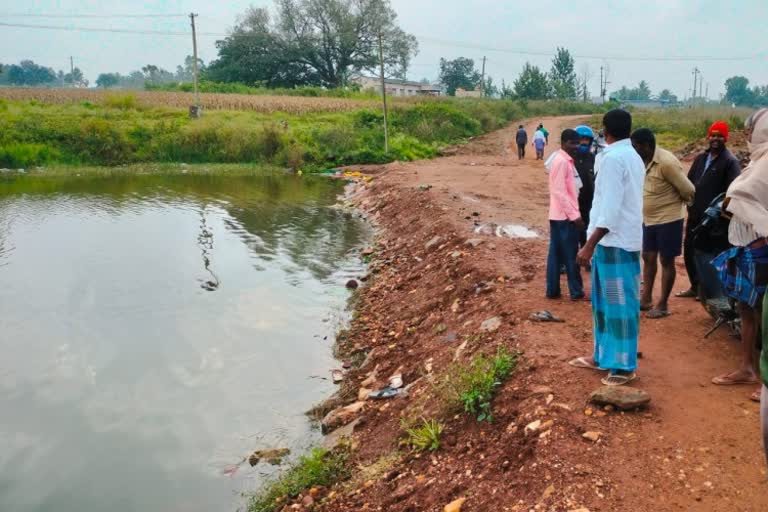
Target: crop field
point(209, 101)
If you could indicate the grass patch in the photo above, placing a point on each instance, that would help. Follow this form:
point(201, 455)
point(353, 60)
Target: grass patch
point(321, 468)
point(471, 387)
point(425, 436)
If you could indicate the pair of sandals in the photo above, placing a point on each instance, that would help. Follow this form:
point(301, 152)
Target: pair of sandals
point(724, 380)
point(614, 377)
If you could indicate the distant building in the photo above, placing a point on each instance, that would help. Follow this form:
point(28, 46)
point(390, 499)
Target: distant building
point(396, 87)
point(463, 93)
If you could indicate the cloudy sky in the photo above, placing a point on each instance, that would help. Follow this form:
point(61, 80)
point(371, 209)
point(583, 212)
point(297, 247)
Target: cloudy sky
point(635, 39)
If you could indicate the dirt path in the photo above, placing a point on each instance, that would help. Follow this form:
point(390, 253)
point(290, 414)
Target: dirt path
point(697, 448)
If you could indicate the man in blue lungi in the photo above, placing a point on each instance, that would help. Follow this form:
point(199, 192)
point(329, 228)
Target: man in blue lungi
point(613, 249)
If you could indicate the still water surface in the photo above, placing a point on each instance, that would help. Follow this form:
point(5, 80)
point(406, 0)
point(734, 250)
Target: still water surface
point(155, 330)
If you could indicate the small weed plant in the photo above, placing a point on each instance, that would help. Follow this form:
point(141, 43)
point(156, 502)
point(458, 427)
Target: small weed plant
point(424, 437)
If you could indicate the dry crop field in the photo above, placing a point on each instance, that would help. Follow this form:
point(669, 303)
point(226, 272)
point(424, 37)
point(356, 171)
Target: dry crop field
point(209, 101)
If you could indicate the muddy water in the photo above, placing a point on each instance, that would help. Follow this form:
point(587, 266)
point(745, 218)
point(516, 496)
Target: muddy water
point(155, 330)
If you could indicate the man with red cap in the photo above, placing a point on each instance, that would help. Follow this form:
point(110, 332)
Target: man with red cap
point(711, 172)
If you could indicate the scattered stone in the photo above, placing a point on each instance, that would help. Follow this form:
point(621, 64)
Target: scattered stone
point(367, 251)
point(433, 243)
point(363, 393)
point(456, 306)
point(562, 406)
point(541, 390)
point(274, 456)
point(368, 358)
point(625, 398)
point(549, 491)
point(491, 325)
point(352, 284)
point(456, 254)
point(474, 242)
point(308, 501)
point(582, 509)
point(460, 350)
point(592, 436)
point(533, 426)
point(492, 247)
point(371, 379)
point(341, 416)
point(455, 506)
point(545, 316)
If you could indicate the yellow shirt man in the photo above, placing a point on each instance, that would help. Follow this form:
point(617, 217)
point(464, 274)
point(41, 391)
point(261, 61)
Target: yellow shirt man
point(667, 189)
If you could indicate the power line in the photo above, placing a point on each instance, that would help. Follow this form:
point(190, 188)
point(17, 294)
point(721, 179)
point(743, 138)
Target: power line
point(35, 15)
point(117, 30)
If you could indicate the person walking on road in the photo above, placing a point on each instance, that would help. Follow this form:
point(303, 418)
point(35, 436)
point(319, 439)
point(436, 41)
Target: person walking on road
point(666, 193)
point(743, 269)
point(613, 248)
point(539, 141)
point(565, 220)
point(712, 172)
point(544, 131)
point(521, 138)
point(585, 165)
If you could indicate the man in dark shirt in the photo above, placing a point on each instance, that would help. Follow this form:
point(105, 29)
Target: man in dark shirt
point(711, 172)
point(585, 166)
point(521, 139)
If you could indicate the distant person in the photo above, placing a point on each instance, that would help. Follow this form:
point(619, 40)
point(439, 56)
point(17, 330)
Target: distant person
point(712, 172)
point(585, 165)
point(539, 141)
point(666, 193)
point(564, 219)
point(521, 138)
point(613, 249)
point(544, 131)
point(743, 269)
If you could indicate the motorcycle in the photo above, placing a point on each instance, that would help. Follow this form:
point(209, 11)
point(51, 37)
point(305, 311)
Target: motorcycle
point(710, 238)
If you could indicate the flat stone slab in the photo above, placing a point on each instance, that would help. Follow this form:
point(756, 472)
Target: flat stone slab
point(624, 398)
point(491, 325)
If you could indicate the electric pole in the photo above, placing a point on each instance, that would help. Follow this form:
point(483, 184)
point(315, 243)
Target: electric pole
point(695, 80)
point(192, 17)
point(706, 95)
point(602, 94)
point(383, 95)
point(482, 80)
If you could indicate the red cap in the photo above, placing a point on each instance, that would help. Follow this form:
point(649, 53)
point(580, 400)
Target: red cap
point(720, 127)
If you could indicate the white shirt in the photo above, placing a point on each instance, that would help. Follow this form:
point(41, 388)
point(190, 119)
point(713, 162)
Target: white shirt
point(539, 135)
point(618, 202)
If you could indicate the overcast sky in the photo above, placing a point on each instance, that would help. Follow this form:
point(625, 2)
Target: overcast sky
point(597, 33)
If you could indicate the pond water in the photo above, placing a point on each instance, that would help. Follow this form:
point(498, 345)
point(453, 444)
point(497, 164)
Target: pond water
point(155, 330)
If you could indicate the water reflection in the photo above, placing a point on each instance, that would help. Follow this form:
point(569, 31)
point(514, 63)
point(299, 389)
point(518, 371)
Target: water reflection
point(127, 386)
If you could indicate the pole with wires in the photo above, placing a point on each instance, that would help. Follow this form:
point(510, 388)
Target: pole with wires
point(194, 110)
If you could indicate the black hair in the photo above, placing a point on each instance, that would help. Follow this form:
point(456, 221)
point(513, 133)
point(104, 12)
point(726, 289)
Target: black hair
point(569, 134)
point(618, 123)
point(644, 136)
point(521, 126)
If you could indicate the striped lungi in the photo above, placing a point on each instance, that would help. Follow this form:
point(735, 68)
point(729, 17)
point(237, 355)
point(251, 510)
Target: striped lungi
point(616, 307)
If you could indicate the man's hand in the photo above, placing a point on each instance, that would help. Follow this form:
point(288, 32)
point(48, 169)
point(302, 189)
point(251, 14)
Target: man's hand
point(579, 224)
point(584, 258)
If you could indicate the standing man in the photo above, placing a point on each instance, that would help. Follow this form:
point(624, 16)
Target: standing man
point(585, 165)
point(613, 248)
point(522, 140)
point(711, 173)
point(666, 192)
point(564, 219)
point(539, 141)
point(545, 132)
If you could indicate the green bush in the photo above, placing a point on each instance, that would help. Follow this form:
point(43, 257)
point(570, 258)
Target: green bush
point(425, 436)
point(435, 123)
point(100, 141)
point(320, 468)
point(120, 101)
point(25, 155)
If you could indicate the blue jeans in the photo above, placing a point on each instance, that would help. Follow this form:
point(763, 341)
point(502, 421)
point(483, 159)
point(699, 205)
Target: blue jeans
point(563, 246)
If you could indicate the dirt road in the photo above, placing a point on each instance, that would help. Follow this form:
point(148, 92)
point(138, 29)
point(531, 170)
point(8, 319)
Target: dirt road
point(698, 446)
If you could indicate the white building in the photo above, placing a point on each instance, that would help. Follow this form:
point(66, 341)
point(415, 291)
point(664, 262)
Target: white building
point(398, 87)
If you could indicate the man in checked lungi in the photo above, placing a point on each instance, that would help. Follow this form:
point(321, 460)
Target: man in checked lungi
point(613, 248)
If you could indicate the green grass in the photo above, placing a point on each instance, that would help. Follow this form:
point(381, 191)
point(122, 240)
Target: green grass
point(425, 436)
point(472, 387)
point(320, 468)
point(121, 131)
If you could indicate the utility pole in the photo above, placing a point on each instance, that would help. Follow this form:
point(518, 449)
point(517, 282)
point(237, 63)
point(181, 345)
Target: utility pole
point(482, 80)
point(196, 111)
point(383, 94)
point(706, 95)
point(695, 80)
point(602, 94)
point(701, 85)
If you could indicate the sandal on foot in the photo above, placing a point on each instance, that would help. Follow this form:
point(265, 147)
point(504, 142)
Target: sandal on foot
point(584, 362)
point(686, 294)
point(656, 313)
point(618, 379)
point(727, 380)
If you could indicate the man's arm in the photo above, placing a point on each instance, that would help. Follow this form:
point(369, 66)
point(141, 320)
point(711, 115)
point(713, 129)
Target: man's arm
point(584, 258)
point(675, 175)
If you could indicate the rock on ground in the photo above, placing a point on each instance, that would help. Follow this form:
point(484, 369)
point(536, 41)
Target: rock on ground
point(491, 325)
point(625, 398)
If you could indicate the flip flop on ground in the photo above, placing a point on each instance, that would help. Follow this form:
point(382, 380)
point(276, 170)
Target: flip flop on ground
point(584, 362)
point(655, 313)
point(730, 380)
point(686, 294)
point(618, 379)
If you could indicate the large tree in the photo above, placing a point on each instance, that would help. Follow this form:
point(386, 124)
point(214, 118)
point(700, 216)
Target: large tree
point(107, 80)
point(562, 76)
point(29, 73)
point(459, 73)
point(737, 91)
point(313, 42)
point(532, 83)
